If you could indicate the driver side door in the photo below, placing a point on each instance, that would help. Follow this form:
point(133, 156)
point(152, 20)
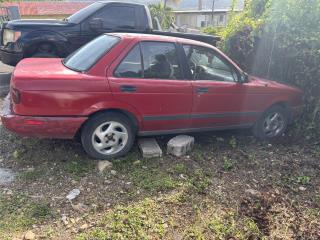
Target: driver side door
point(219, 99)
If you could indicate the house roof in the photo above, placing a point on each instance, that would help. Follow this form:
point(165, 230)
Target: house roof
point(41, 8)
point(47, 8)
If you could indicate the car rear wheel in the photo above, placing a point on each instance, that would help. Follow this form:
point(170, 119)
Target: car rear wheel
point(272, 123)
point(107, 135)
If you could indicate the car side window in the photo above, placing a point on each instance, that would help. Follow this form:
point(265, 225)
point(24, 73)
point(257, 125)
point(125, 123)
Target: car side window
point(160, 60)
point(131, 66)
point(205, 64)
point(116, 17)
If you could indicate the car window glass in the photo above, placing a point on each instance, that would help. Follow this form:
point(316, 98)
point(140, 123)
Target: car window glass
point(160, 60)
point(130, 67)
point(205, 64)
point(86, 56)
point(84, 12)
point(116, 17)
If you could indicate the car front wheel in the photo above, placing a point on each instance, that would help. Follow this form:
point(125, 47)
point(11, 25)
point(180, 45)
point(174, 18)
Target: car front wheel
point(272, 123)
point(107, 135)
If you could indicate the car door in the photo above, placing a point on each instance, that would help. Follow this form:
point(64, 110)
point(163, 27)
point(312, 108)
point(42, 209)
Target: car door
point(219, 99)
point(111, 18)
point(150, 79)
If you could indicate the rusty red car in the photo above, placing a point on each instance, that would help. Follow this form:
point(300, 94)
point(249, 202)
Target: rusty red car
point(122, 85)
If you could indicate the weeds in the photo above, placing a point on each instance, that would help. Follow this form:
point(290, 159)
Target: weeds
point(233, 142)
point(152, 180)
point(138, 221)
point(227, 164)
point(180, 168)
point(304, 180)
point(17, 213)
point(79, 169)
point(30, 175)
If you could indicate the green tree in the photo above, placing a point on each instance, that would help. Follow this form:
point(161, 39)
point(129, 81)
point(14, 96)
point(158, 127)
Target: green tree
point(163, 13)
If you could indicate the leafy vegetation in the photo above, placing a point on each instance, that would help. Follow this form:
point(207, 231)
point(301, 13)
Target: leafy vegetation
point(17, 213)
point(279, 40)
point(162, 13)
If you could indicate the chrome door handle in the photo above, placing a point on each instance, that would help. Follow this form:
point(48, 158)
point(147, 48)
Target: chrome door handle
point(202, 90)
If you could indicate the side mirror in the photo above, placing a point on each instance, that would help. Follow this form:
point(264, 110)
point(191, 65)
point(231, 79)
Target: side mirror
point(96, 24)
point(244, 78)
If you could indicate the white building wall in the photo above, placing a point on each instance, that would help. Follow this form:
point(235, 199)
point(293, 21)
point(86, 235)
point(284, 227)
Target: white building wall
point(199, 20)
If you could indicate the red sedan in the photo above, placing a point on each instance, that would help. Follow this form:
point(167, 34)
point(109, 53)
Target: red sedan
point(122, 85)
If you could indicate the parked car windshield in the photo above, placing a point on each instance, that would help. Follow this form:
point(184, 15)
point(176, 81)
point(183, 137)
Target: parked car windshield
point(85, 57)
point(84, 13)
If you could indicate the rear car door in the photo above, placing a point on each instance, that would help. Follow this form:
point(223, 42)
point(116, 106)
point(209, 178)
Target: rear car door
point(149, 78)
point(219, 99)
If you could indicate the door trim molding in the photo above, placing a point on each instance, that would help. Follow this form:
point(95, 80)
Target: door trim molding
point(190, 130)
point(199, 116)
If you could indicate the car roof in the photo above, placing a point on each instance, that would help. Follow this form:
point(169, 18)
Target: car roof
point(154, 37)
point(122, 2)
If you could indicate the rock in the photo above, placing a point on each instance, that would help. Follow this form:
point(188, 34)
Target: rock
point(29, 235)
point(80, 207)
point(149, 148)
point(180, 145)
point(302, 188)
point(6, 176)
point(253, 192)
point(113, 172)
point(83, 227)
point(64, 219)
point(73, 194)
point(102, 165)
point(136, 162)
point(15, 154)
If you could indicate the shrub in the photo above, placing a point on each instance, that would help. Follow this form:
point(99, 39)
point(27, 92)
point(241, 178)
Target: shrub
point(280, 40)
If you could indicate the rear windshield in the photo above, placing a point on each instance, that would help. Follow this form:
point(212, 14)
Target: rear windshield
point(84, 12)
point(85, 57)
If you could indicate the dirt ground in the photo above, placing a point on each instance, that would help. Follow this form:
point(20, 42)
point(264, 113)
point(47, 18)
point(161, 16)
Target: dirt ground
point(231, 186)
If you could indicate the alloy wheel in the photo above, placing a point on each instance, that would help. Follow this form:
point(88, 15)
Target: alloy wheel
point(109, 138)
point(273, 124)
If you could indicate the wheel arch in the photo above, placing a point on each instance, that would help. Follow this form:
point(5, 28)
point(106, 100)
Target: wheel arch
point(59, 42)
point(285, 105)
point(132, 118)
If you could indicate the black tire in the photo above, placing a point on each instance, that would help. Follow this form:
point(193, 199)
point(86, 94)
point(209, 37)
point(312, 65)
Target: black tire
point(87, 134)
point(45, 50)
point(260, 127)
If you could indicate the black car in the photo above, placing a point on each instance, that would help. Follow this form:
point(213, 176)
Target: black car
point(59, 38)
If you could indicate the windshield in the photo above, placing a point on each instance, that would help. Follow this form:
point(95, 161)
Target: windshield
point(85, 57)
point(85, 12)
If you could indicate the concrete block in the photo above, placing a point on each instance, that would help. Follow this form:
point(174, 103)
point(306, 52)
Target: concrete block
point(180, 145)
point(149, 148)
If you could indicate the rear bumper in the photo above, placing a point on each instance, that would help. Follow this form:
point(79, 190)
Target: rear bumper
point(43, 127)
point(10, 58)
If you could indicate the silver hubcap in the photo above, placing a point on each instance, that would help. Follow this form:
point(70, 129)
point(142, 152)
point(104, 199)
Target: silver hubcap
point(109, 138)
point(273, 124)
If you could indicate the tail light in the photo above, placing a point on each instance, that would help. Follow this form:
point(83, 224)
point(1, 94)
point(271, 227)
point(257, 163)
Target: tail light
point(15, 95)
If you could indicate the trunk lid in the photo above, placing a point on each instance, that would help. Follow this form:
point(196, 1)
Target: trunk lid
point(47, 74)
